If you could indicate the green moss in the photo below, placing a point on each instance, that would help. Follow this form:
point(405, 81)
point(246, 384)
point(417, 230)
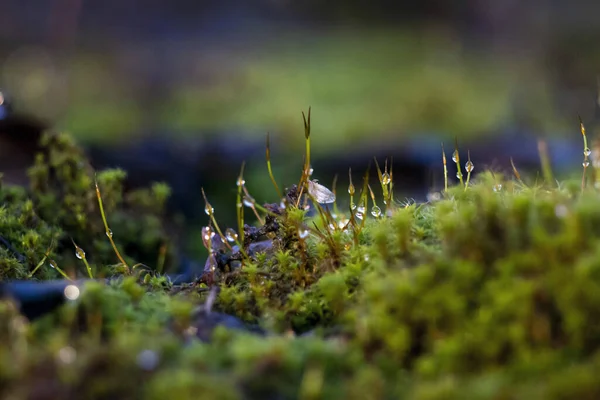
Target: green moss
point(489, 292)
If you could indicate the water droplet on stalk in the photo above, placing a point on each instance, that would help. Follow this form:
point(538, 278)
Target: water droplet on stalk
point(469, 166)
point(303, 233)
point(248, 201)
point(586, 163)
point(497, 187)
point(231, 235)
point(79, 253)
point(351, 189)
point(376, 211)
point(209, 210)
point(109, 233)
point(455, 156)
point(206, 236)
point(385, 178)
point(240, 182)
point(587, 152)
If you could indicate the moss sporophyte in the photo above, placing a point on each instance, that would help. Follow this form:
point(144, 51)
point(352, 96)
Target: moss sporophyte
point(489, 289)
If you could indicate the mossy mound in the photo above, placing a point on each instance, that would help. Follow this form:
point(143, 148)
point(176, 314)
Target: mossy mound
point(490, 291)
point(59, 209)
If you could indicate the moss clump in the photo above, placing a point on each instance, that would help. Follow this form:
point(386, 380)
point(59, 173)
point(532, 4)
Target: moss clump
point(488, 291)
point(59, 208)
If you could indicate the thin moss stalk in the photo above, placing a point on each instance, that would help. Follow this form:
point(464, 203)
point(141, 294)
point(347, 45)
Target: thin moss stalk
point(108, 231)
point(268, 157)
point(210, 211)
point(336, 211)
point(545, 161)
point(586, 154)
point(306, 169)
point(351, 190)
point(80, 253)
point(445, 168)
point(240, 186)
point(43, 260)
point(375, 210)
point(516, 172)
point(456, 159)
point(469, 166)
point(55, 266)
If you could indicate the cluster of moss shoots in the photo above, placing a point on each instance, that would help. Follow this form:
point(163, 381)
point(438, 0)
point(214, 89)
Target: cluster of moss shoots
point(491, 289)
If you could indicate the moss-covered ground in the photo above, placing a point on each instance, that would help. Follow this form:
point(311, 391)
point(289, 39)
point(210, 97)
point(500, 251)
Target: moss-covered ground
point(489, 291)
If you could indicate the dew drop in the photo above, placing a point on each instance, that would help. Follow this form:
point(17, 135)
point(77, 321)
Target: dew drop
point(351, 189)
point(497, 187)
point(306, 207)
point(469, 166)
point(376, 211)
point(206, 236)
point(366, 257)
point(331, 227)
point(353, 206)
point(240, 182)
point(109, 233)
point(209, 210)
point(587, 152)
point(310, 171)
point(248, 201)
point(53, 264)
point(347, 246)
point(303, 233)
point(359, 215)
point(385, 178)
point(455, 156)
point(231, 235)
point(360, 209)
point(586, 163)
point(458, 175)
point(342, 222)
point(79, 253)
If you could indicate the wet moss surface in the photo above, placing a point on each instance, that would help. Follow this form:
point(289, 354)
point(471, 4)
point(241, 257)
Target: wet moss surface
point(490, 290)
